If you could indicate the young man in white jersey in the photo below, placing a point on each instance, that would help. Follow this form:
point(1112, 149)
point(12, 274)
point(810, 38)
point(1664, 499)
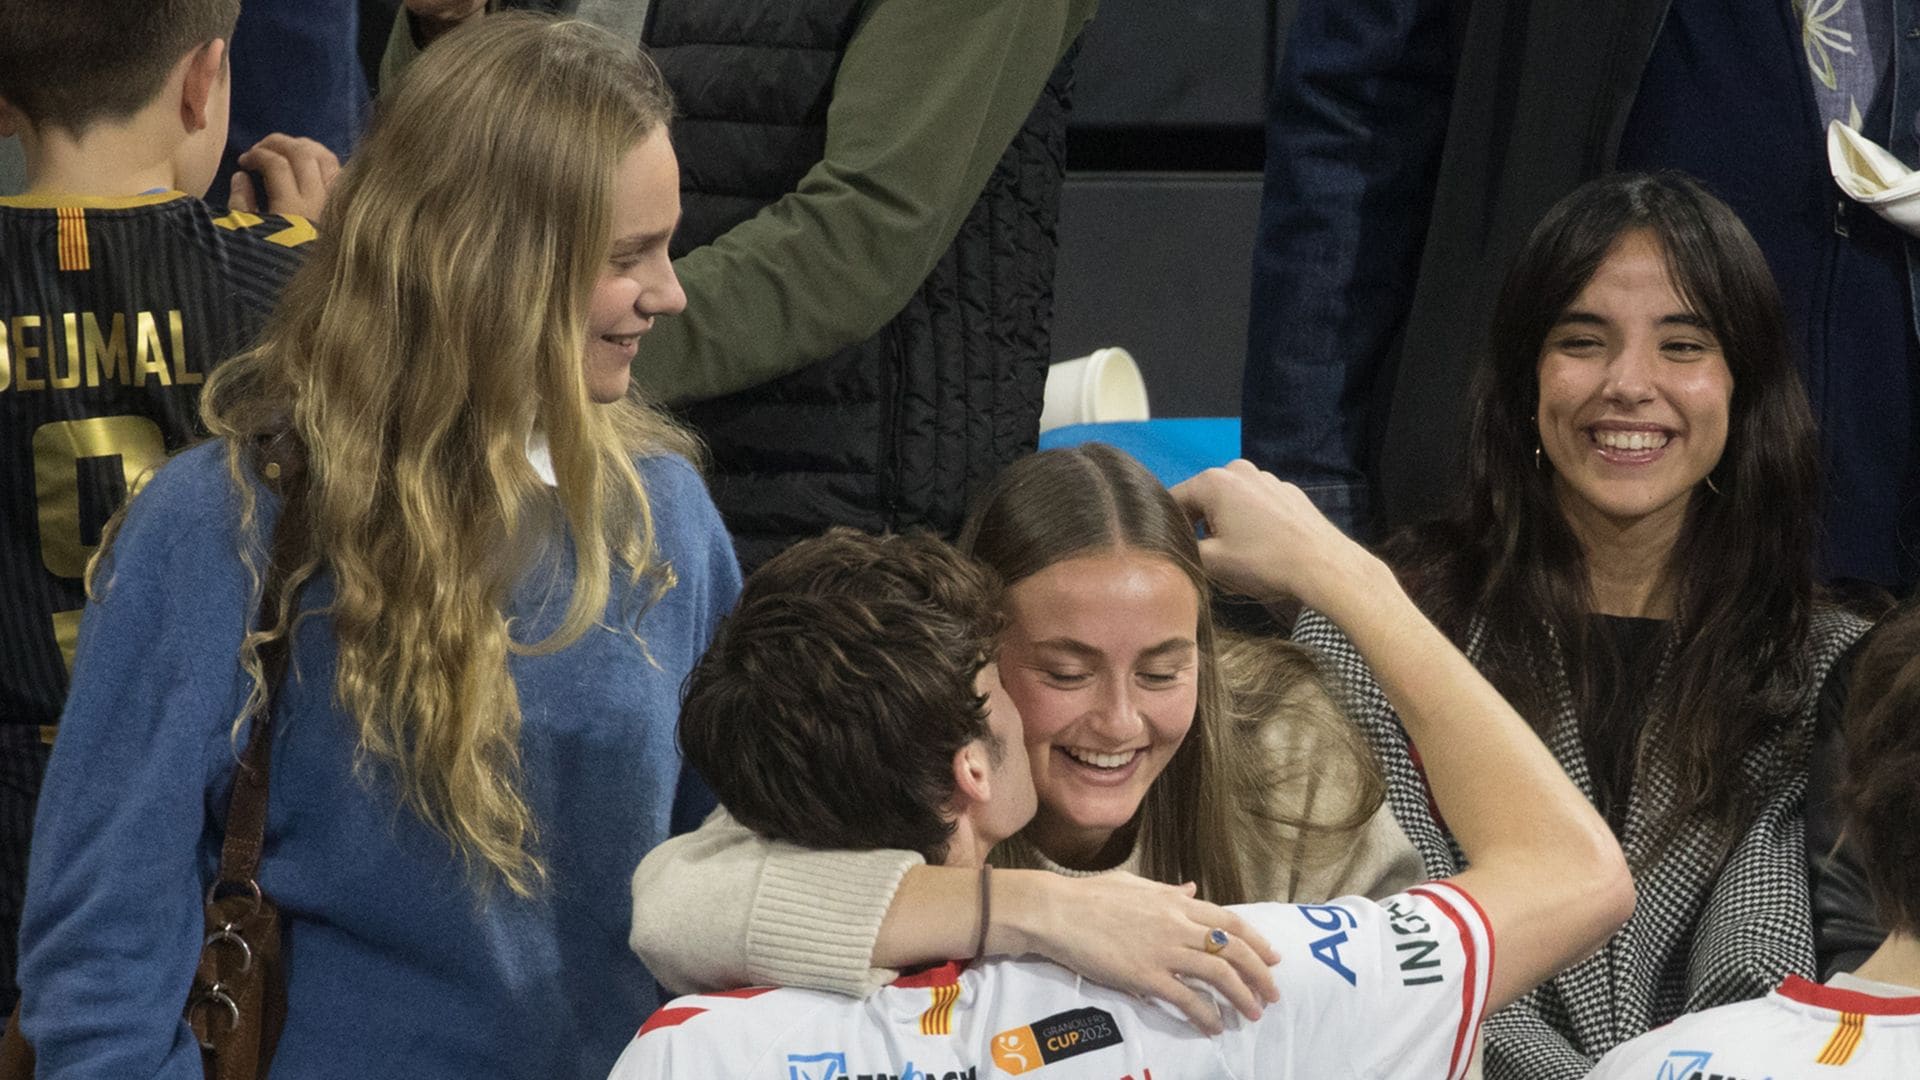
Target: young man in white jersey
point(850, 701)
point(1859, 1026)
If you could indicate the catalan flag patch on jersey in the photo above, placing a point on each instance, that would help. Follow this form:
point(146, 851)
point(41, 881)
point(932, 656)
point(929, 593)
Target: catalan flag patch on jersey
point(938, 1019)
point(74, 254)
point(1846, 1039)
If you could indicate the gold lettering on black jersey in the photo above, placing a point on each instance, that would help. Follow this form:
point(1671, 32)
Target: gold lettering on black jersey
point(70, 377)
point(177, 330)
point(107, 360)
point(149, 358)
point(72, 349)
point(58, 449)
point(66, 634)
point(24, 354)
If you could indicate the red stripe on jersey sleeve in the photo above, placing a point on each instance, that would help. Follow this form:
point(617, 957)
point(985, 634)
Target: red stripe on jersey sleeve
point(672, 1016)
point(946, 974)
point(1479, 916)
point(1493, 952)
point(1470, 1016)
point(1493, 955)
point(1820, 996)
point(742, 993)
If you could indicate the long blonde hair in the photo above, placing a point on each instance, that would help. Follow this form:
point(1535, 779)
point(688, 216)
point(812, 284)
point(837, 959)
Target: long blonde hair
point(442, 318)
point(1209, 817)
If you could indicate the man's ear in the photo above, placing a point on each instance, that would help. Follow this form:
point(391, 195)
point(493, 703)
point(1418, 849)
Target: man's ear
point(206, 66)
point(971, 772)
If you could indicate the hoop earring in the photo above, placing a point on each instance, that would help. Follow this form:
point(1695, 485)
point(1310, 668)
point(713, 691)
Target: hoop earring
point(1711, 486)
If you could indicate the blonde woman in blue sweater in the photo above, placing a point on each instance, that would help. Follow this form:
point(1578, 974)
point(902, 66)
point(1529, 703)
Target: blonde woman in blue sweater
point(506, 568)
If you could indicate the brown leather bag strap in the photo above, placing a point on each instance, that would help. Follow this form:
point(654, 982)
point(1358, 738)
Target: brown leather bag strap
point(281, 465)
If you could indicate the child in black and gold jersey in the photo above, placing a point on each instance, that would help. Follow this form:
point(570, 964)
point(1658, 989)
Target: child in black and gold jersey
point(119, 290)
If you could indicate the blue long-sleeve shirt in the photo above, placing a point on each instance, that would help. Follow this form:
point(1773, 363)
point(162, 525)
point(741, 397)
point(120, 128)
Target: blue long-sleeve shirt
point(396, 965)
point(296, 68)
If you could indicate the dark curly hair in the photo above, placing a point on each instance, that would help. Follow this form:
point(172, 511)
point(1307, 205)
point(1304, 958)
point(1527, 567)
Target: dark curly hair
point(1883, 757)
point(829, 707)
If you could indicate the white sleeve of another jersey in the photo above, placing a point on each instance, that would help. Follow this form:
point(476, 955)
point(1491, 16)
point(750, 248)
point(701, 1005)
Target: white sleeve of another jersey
point(651, 1055)
point(1394, 988)
point(1619, 1060)
point(645, 1058)
point(1664, 1054)
point(719, 1034)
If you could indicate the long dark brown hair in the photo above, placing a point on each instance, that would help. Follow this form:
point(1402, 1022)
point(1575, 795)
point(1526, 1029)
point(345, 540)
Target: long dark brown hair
point(1883, 757)
point(1206, 819)
point(1741, 571)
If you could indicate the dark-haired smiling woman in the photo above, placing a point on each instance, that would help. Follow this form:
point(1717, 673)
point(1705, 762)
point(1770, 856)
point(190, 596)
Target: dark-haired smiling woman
point(1633, 568)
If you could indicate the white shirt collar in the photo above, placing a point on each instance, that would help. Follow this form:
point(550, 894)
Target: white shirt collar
point(540, 456)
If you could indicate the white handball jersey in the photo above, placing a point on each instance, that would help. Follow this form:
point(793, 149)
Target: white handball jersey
point(1801, 1030)
point(1388, 989)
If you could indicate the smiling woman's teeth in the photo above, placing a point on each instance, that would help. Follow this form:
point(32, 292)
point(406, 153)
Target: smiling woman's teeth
point(1631, 440)
point(1098, 761)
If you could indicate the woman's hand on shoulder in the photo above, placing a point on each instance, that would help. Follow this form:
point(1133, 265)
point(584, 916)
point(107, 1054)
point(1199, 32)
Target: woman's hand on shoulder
point(1136, 935)
point(1263, 537)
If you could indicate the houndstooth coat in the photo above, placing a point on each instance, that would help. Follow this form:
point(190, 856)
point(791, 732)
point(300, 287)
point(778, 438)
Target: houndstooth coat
point(1703, 934)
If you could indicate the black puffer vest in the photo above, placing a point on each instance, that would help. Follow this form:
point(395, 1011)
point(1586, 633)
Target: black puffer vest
point(897, 431)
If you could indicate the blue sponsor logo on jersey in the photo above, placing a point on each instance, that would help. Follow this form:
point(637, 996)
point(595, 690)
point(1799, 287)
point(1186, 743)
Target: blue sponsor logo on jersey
point(1326, 949)
point(828, 1066)
point(1684, 1064)
point(833, 1066)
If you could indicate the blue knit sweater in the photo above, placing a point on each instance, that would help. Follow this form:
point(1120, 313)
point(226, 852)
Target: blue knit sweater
point(397, 966)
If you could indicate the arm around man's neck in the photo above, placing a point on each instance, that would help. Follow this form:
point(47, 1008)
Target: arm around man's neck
point(1543, 866)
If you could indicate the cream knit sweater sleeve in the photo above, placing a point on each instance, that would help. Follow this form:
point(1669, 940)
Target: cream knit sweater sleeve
point(722, 907)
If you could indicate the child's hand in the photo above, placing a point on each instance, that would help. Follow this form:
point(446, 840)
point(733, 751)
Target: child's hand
point(298, 173)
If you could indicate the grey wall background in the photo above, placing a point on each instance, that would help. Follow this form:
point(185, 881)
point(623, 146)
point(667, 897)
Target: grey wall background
point(1158, 263)
point(1163, 192)
point(13, 177)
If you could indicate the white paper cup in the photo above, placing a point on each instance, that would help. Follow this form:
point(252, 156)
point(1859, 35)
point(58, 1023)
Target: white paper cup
point(1102, 386)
